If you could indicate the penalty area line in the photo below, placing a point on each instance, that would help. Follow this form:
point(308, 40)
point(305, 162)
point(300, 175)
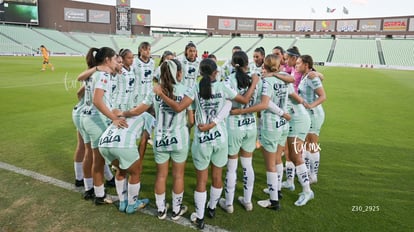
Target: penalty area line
point(71, 187)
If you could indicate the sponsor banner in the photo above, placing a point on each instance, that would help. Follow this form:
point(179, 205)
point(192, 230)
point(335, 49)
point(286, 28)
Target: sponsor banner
point(411, 28)
point(123, 21)
point(73, 14)
point(304, 25)
point(99, 16)
point(325, 25)
point(141, 19)
point(370, 25)
point(123, 3)
point(245, 25)
point(346, 25)
point(395, 24)
point(227, 24)
point(284, 25)
point(265, 25)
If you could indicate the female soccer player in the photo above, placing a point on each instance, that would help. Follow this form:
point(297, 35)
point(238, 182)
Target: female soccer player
point(242, 134)
point(191, 65)
point(118, 147)
point(227, 67)
point(80, 146)
point(167, 55)
point(311, 89)
point(98, 115)
point(258, 58)
point(171, 136)
point(144, 73)
point(209, 145)
point(45, 54)
point(274, 90)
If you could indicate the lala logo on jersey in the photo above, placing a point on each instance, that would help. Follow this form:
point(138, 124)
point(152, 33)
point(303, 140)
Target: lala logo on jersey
point(110, 139)
point(209, 137)
point(166, 141)
point(246, 121)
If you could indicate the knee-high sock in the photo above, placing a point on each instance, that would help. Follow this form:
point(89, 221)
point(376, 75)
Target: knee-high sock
point(248, 178)
point(230, 183)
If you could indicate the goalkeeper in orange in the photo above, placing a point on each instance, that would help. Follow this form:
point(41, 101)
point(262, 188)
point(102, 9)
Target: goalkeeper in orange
point(45, 54)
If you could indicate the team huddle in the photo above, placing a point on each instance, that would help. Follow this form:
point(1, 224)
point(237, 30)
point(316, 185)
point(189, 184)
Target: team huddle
point(273, 103)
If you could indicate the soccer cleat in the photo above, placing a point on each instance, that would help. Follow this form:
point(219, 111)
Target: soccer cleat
point(89, 195)
point(286, 185)
point(79, 183)
point(211, 213)
point(163, 214)
point(139, 204)
point(266, 190)
point(110, 183)
point(227, 208)
point(199, 222)
point(183, 210)
point(248, 206)
point(304, 197)
point(123, 205)
point(106, 199)
point(275, 205)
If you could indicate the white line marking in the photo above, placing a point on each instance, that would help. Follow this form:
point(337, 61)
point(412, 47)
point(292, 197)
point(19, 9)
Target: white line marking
point(29, 85)
point(65, 185)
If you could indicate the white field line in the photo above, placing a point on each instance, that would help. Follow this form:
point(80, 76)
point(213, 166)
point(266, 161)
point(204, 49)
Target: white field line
point(65, 185)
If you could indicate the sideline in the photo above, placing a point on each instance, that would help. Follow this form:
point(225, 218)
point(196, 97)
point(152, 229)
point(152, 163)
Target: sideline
point(65, 185)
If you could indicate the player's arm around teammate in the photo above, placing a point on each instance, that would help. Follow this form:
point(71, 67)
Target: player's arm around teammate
point(206, 94)
point(311, 89)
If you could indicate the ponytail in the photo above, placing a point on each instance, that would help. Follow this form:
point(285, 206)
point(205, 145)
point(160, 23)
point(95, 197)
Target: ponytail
point(240, 60)
point(90, 57)
point(207, 68)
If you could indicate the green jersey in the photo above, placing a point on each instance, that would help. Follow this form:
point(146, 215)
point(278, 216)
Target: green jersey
point(295, 109)
point(207, 110)
point(98, 80)
point(171, 129)
point(307, 89)
point(123, 137)
point(125, 85)
point(244, 121)
point(277, 91)
point(144, 73)
point(191, 70)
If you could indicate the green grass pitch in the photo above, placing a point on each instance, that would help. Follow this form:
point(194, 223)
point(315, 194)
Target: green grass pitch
point(367, 144)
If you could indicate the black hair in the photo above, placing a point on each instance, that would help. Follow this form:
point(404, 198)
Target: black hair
point(293, 51)
point(123, 52)
point(188, 46)
point(207, 68)
point(280, 49)
point(307, 59)
point(261, 50)
point(237, 47)
point(142, 46)
point(165, 54)
point(212, 56)
point(99, 57)
point(240, 60)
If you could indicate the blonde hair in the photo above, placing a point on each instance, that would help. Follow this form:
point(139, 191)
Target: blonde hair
point(271, 63)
